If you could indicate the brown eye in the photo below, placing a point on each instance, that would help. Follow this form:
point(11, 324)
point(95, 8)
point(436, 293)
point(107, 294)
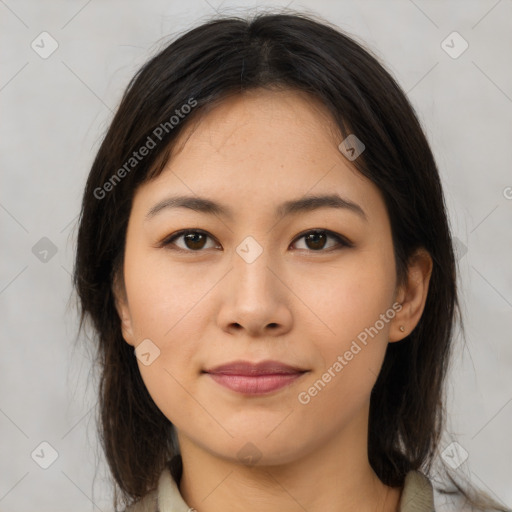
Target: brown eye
point(316, 240)
point(193, 240)
point(196, 240)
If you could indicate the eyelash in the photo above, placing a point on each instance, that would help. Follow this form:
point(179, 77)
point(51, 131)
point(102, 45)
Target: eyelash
point(342, 241)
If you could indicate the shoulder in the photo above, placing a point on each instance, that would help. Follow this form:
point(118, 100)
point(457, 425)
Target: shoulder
point(166, 497)
point(149, 503)
point(417, 493)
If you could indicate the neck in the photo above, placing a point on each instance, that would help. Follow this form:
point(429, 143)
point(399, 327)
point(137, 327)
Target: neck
point(334, 476)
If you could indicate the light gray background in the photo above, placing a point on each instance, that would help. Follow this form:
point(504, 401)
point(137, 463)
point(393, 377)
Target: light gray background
point(55, 111)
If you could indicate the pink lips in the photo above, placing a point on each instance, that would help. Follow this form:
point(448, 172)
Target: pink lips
point(249, 378)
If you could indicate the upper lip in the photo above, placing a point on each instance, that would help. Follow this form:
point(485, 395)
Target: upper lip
point(262, 368)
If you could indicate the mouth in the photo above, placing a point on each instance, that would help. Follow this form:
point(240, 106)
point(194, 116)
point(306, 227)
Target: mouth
point(255, 385)
point(255, 378)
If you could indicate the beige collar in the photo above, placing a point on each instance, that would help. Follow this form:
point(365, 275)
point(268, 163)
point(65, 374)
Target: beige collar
point(417, 494)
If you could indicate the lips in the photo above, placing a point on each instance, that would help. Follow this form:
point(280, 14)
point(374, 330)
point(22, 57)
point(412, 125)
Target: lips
point(246, 368)
point(249, 378)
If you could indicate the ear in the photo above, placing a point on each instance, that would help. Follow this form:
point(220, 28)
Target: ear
point(412, 295)
point(123, 310)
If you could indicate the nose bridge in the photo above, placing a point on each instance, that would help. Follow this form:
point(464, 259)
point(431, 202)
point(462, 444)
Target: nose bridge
point(251, 262)
point(254, 299)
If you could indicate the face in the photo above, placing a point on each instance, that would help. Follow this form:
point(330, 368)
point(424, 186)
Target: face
point(312, 288)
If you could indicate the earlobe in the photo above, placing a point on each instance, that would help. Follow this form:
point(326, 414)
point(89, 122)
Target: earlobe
point(123, 311)
point(126, 325)
point(412, 296)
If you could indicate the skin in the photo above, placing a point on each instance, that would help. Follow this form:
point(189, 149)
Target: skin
point(300, 303)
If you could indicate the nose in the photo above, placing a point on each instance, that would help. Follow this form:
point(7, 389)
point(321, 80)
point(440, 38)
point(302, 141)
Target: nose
point(255, 298)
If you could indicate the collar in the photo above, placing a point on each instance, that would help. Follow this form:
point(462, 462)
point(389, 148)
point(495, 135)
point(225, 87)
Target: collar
point(417, 496)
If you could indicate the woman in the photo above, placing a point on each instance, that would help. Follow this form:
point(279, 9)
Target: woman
point(265, 255)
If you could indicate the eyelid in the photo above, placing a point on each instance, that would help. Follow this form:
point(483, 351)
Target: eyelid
point(342, 240)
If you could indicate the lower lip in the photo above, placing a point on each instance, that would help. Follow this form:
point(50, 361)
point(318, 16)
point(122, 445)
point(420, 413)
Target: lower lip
point(257, 384)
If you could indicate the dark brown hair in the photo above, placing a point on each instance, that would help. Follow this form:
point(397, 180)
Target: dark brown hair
point(226, 56)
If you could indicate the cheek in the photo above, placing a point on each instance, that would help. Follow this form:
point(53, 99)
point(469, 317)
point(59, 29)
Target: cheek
point(162, 311)
point(170, 389)
point(162, 308)
point(351, 297)
point(355, 308)
point(162, 298)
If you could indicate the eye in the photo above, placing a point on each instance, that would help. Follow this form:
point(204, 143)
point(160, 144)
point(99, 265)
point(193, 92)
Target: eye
point(316, 239)
point(194, 240)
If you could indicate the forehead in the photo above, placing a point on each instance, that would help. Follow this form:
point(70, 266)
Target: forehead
point(260, 113)
point(260, 148)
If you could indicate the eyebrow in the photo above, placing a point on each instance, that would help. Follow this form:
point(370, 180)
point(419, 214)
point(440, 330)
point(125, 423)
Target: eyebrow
point(295, 206)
